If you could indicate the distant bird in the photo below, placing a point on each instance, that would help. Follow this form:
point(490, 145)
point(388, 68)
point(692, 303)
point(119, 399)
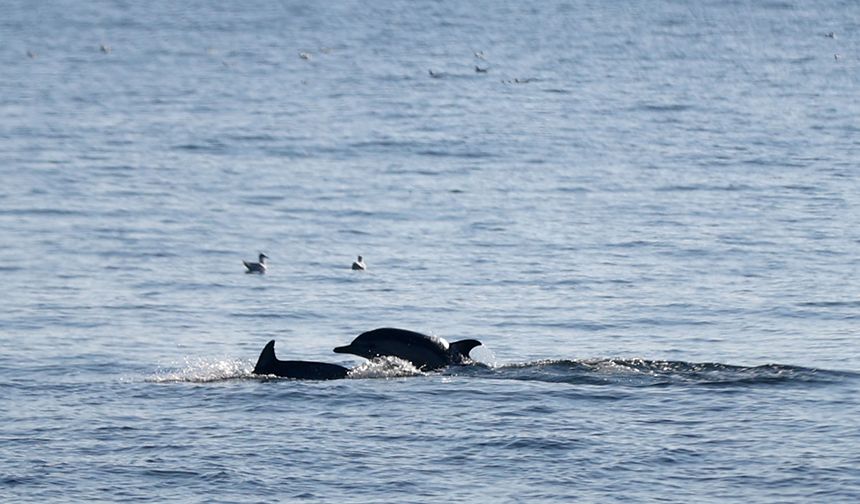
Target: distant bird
point(479, 54)
point(256, 267)
point(304, 55)
point(480, 70)
point(830, 35)
point(433, 74)
point(31, 55)
point(359, 265)
point(105, 48)
point(836, 57)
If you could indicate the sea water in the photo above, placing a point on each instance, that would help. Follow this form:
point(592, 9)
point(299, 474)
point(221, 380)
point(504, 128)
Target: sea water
point(647, 212)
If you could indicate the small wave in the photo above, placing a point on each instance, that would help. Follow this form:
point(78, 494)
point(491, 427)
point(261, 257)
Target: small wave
point(664, 107)
point(704, 188)
point(465, 154)
point(41, 212)
point(209, 146)
point(15, 480)
point(646, 373)
point(202, 370)
point(171, 473)
point(831, 304)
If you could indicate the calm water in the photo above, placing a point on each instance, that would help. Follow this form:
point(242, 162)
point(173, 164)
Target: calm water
point(646, 210)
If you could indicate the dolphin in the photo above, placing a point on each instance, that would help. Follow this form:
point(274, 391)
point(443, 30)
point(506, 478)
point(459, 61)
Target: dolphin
point(268, 364)
point(424, 352)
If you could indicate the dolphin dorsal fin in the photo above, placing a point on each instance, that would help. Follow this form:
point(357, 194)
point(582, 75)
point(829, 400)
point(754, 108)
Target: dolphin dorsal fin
point(461, 349)
point(267, 359)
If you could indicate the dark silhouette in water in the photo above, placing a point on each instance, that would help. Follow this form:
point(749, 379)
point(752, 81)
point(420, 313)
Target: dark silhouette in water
point(268, 364)
point(424, 352)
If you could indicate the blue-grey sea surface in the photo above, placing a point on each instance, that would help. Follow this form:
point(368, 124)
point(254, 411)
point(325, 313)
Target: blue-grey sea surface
point(647, 211)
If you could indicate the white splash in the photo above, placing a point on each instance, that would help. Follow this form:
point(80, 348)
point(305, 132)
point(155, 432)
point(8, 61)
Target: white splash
point(384, 367)
point(484, 355)
point(204, 370)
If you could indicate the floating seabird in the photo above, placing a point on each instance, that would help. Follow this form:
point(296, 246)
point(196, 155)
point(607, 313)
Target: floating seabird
point(305, 55)
point(480, 70)
point(359, 264)
point(105, 48)
point(256, 267)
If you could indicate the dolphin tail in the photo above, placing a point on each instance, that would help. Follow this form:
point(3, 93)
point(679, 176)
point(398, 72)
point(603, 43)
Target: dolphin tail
point(266, 362)
point(460, 349)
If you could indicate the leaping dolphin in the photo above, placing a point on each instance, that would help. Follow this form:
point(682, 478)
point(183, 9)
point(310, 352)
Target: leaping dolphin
point(268, 364)
point(424, 352)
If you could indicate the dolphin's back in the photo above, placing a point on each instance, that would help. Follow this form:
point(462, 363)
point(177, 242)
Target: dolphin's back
point(268, 364)
point(423, 351)
point(310, 370)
